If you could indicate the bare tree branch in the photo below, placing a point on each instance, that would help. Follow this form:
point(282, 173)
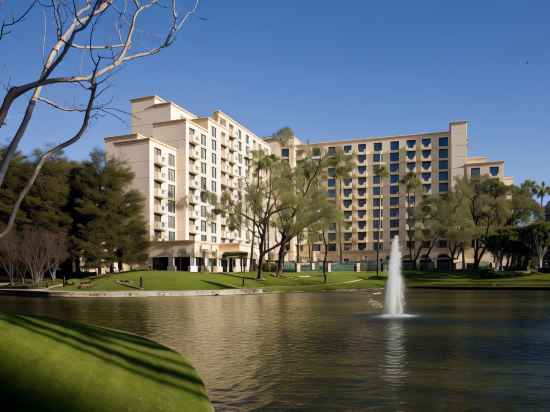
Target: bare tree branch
point(7, 24)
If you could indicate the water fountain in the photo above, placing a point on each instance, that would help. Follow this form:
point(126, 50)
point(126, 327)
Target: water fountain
point(394, 304)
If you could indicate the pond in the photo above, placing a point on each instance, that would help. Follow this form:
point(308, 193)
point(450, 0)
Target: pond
point(466, 350)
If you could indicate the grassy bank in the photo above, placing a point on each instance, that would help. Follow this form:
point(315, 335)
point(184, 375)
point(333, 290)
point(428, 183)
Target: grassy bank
point(51, 365)
point(305, 281)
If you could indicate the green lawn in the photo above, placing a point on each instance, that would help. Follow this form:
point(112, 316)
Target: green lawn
point(50, 365)
point(307, 281)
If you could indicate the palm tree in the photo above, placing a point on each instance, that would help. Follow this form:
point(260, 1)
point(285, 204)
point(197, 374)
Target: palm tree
point(343, 164)
point(411, 183)
point(540, 191)
point(382, 172)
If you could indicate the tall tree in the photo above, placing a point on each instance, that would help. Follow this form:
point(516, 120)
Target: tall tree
point(103, 36)
point(537, 237)
point(341, 165)
point(541, 190)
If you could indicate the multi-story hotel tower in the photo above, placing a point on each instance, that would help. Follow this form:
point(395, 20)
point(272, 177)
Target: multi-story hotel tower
point(176, 155)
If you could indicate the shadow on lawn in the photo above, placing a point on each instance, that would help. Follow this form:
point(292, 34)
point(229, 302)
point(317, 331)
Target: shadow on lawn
point(116, 349)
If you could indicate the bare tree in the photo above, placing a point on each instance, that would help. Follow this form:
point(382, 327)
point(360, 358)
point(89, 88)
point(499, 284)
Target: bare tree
point(105, 35)
point(10, 261)
point(57, 251)
point(34, 253)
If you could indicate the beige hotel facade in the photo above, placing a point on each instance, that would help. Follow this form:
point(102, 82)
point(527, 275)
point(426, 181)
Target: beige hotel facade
point(176, 155)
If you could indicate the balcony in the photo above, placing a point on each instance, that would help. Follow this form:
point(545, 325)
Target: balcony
point(159, 193)
point(160, 176)
point(193, 214)
point(160, 160)
point(194, 139)
point(193, 153)
point(159, 237)
point(194, 169)
point(224, 154)
point(193, 199)
point(159, 209)
point(231, 159)
point(232, 136)
point(194, 183)
point(159, 225)
point(192, 228)
point(232, 147)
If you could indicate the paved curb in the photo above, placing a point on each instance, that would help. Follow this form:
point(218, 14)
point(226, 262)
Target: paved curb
point(129, 294)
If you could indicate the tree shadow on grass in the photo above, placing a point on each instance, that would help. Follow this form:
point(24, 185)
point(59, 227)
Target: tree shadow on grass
point(115, 348)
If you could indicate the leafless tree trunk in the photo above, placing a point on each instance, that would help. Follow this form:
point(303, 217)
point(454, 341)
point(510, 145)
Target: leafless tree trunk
point(10, 260)
point(81, 26)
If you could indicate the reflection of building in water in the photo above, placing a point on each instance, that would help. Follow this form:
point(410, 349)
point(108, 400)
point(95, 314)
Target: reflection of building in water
point(395, 357)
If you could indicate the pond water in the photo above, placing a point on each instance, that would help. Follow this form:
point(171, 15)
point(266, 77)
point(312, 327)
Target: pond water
point(466, 350)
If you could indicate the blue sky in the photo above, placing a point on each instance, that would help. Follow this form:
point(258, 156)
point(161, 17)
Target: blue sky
point(344, 69)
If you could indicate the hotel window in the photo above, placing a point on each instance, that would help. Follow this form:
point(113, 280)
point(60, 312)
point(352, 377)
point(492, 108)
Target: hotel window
point(203, 211)
point(426, 176)
point(317, 247)
point(203, 225)
point(361, 147)
point(348, 181)
point(361, 214)
point(376, 213)
point(213, 145)
point(171, 206)
point(203, 168)
point(376, 224)
point(394, 168)
point(213, 228)
point(411, 154)
point(361, 236)
point(347, 203)
point(494, 170)
point(376, 180)
point(214, 172)
point(378, 147)
point(240, 146)
point(331, 182)
point(191, 132)
point(362, 202)
point(331, 193)
point(158, 152)
point(475, 172)
point(332, 236)
point(331, 171)
point(376, 236)
point(426, 165)
point(394, 201)
point(394, 145)
point(443, 141)
point(171, 159)
point(240, 169)
point(239, 133)
point(203, 153)
point(377, 157)
point(347, 192)
point(362, 170)
point(361, 158)
point(362, 225)
point(316, 152)
point(426, 142)
point(443, 164)
point(376, 202)
point(213, 131)
point(426, 153)
point(203, 183)
point(171, 222)
point(284, 152)
point(214, 158)
point(203, 238)
point(427, 188)
point(332, 247)
point(213, 186)
point(394, 223)
point(362, 181)
point(362, 246)
point(172, 175)
point(331, 151)
point(394, 179)
point(171, 235)
point(332, 227)
point(394, 190)
point(171, 191)
point(411, 143)
point(394, 212)
point(347, 215)
point(443, 153)
point(394, 157)
point(411, 166)
point(377, 191)
point(443, 175)
point(443, 187)
point(348, 148)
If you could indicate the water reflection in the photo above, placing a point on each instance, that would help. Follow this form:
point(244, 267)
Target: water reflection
point(395, 355)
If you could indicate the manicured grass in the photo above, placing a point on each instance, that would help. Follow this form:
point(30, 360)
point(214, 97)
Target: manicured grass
point(307, 281)
point(50, 365)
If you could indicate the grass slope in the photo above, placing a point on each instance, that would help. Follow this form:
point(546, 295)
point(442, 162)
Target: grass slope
point(50, 365)
point(308, 281)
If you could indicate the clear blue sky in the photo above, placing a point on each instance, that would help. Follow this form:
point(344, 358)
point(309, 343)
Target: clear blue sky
point(343, 69)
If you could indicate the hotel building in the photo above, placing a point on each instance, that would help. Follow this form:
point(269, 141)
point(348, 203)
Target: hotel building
point(176, 155)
